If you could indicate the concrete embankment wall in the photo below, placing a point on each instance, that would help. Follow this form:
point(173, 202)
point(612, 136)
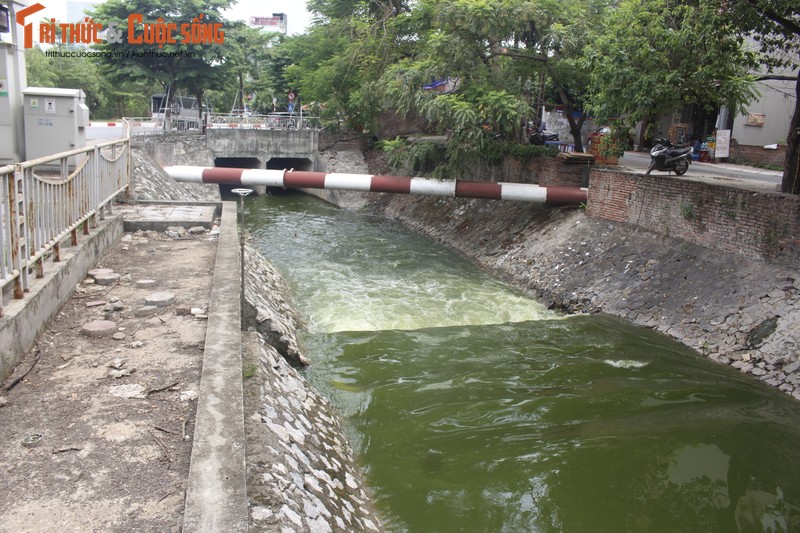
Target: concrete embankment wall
point(730, 307)
point(24, 319)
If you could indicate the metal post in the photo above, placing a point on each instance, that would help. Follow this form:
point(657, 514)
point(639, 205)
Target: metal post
point(242, 193)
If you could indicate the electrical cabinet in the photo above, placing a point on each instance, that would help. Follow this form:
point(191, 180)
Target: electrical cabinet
point(10, 108)
point(55, 121)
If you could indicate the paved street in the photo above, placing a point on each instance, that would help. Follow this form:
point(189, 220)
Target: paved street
point(734, 175)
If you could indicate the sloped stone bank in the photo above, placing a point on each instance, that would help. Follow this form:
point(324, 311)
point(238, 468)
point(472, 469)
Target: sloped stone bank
point(301, 474)
point(150, 182)
point(734, 310)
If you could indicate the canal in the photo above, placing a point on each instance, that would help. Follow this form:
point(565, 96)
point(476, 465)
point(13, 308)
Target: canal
point(472, 408)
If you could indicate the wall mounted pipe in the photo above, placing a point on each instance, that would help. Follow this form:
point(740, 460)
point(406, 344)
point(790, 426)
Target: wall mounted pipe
point(522, 192)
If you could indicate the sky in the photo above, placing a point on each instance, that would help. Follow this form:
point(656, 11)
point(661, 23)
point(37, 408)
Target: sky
point(297, 16)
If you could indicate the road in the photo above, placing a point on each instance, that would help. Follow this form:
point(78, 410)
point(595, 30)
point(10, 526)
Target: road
point(734, 175)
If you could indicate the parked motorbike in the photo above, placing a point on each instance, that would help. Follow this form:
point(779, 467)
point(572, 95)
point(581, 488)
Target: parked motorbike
point(539, 136)
point(666, 156)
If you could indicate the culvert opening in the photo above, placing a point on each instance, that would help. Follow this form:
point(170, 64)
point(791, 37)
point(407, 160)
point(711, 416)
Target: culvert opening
point(288, 163)
point(234, 162)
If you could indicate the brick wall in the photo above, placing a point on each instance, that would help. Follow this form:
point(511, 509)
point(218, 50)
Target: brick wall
point(757, 155)
point(762, 226)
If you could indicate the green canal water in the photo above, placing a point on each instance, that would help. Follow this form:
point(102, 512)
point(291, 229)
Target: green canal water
point(472, 408)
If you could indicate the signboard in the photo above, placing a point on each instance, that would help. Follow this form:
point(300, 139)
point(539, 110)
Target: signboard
point(49, 105)
point(723, 148)
point(277, 22)
point(755, 119)
point(3, 87)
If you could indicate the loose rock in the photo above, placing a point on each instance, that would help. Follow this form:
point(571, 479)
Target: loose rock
point(99, 328)
point(107, 279)
point(100, 272)
point(147, 310)
point(160, 299)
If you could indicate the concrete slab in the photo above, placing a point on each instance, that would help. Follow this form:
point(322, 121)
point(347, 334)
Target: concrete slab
point(158, 217)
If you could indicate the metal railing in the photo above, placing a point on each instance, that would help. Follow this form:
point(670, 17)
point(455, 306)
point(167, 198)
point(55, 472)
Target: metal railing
point(139, 126)
point(47, 200)
point(275, 121)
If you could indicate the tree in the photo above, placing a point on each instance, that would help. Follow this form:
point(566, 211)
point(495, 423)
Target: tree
point(247, 55)
point(509, 53)
point(73, 72)
point(775, 25)
point(194, 67)
point(339, 61)
point(39, 70)
point(653, 56)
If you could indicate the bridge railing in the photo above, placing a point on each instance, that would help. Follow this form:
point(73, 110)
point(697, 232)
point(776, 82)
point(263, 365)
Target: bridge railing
point(275, 121)
point(140, 126)
point(45, 201)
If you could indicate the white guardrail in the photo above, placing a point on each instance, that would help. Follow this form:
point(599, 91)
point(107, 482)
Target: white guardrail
point(274, 121)
point(47, 200)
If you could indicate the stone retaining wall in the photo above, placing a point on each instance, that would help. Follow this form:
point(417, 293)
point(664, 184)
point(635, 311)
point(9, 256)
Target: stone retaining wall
point(544, 171)
point(175, 149)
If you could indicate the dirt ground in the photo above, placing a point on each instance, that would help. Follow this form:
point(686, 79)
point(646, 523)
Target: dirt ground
point(97, 435)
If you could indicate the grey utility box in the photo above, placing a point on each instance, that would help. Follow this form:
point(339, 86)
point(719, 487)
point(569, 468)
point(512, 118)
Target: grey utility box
point(10, 106)
point(55, 121)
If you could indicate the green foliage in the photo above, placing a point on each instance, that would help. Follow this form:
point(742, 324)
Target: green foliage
point(652, 57)
point(439, 161)
point(39, 70)
point(249, 369)
point(69, 72)
point(200, 67)
point(416, 156)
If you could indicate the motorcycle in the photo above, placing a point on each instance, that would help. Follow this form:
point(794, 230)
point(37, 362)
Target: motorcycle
point(540, 136)
point(666, 156)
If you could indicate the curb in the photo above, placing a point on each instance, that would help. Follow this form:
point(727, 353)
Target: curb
point(216, 496)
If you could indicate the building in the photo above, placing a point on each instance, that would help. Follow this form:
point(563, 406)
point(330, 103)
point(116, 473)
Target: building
point(276, 23)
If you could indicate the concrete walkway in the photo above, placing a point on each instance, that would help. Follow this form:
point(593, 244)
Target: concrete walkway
point(100, 433)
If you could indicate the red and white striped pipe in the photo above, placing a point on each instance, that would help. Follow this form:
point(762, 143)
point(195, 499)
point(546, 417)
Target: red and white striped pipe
point(368, 183)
